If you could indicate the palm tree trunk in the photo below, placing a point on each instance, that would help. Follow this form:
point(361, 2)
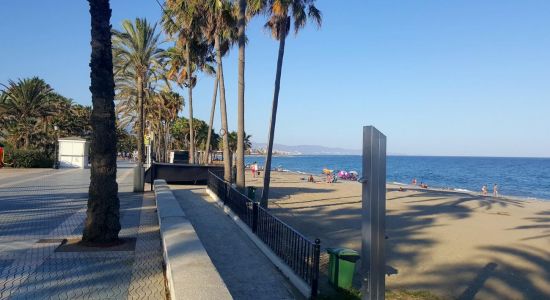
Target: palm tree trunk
point(223, 111)
point(102, 218)
point(161, 150)
point(211, 123)
point(27, 141)
point(267, 167)
point(141, 117)
point(240, 108)
point(190, 90)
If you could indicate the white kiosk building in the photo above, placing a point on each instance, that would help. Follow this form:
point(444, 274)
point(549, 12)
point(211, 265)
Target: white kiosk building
point(73, 152)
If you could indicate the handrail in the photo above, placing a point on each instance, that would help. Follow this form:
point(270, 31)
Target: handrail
point(290, 227)
point(297, 251)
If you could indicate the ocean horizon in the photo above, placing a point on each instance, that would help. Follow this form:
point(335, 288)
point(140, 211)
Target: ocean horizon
point(524, 177)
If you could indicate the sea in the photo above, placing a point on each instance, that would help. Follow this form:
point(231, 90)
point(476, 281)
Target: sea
point(518, 177)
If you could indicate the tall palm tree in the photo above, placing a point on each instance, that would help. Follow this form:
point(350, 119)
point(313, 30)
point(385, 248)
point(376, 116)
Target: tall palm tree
point(181, 20)
point(102, 218)
point(282, 14)
point(245, 8)
point(240, 181)
point(220, 29)
point(207, 147)
point(27, 103)
point(137, 58)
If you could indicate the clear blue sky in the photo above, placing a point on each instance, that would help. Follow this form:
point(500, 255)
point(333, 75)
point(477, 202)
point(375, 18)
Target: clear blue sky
point(437, 77)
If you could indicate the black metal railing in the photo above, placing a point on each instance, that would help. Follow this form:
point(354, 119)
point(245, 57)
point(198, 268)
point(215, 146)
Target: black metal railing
point(293, 248)
point(297, 251)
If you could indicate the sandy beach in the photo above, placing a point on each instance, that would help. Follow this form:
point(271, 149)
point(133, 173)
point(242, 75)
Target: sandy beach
point(453, 244)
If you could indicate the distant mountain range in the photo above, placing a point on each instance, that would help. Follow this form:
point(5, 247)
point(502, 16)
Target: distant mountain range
point(259, 148)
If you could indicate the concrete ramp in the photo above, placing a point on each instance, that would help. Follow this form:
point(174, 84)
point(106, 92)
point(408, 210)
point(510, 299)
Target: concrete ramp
point(189, 270)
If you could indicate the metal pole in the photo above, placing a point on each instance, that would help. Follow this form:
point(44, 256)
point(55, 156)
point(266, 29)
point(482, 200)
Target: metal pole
point(373, 260)
point(254, 216)
point(315, 277)
point(153, 175)
point(56, 158)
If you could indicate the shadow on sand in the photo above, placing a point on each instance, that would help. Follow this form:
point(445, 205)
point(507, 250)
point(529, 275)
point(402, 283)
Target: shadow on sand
point(338, 225)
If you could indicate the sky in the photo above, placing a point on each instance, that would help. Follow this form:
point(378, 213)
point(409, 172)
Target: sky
point(436, 77)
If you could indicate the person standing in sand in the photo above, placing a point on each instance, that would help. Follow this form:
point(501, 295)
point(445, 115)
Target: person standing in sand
point(484, 190)
point(495, 190)
point(254, 168)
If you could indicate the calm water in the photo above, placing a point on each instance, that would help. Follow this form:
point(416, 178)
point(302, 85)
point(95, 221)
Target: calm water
point(523, 177)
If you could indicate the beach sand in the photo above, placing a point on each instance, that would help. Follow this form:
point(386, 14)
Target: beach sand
point(453, 244)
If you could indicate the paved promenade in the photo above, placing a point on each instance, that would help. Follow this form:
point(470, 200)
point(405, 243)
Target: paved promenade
point(245, 270)
point(39, 207)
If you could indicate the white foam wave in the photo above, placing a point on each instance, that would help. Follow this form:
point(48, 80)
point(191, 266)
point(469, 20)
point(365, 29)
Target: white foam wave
point(462, 190)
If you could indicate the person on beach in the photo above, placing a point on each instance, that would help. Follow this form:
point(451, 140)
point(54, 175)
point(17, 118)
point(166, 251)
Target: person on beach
point(495, 190)
point(310, 179)
point(484, 190)
point(253, 168)
point(330, 178)
point(414, 181)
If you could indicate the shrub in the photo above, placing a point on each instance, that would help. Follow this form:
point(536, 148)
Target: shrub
point(28, 159)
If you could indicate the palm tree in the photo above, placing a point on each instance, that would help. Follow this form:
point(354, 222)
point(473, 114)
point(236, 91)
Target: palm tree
point(207, 147)
point(162, 111)
point(240, 181)
point(102, 218)
point(220, 29)
point(216, 13)
point(245, 8)
point(181, 20)
point(281, 14)
point(26, 103)
point(234, 141)
point(137, 58)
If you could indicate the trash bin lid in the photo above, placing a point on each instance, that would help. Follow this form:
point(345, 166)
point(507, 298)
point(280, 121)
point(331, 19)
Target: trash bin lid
point(342, 252)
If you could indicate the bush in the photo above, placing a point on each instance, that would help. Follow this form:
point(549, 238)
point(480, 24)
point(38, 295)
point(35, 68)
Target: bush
point(28, 159)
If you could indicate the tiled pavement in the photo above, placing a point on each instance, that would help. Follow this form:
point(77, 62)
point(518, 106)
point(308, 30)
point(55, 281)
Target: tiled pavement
point(51, 204)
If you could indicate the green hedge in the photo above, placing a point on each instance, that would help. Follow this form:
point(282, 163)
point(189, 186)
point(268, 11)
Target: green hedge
point(28, 159)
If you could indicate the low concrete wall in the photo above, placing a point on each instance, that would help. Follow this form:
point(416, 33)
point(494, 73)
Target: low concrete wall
point(298, 282)
point(189, 270)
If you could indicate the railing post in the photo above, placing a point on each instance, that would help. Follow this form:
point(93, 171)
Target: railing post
point(315, 273)
point(227, 191)
point(254, 217)
point(153, 175)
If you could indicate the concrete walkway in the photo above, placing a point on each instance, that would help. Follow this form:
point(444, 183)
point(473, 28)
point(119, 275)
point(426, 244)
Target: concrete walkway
point(39, 207)
point(245, 270)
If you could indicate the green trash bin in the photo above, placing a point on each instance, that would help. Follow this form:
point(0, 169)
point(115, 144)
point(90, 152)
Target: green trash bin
point(341, 266)
point(251, 192)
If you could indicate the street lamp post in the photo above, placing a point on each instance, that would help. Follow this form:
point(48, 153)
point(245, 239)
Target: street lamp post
point(56, 158)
